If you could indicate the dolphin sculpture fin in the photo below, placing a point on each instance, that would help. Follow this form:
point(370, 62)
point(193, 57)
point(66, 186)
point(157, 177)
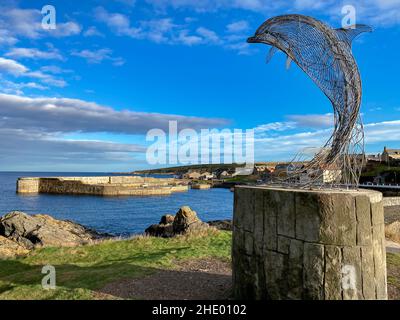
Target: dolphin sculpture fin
point(288, 62)
point(349, 34)
point(271, 53)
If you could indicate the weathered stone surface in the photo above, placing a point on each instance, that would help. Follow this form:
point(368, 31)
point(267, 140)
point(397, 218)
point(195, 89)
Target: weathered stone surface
point(308, 220)
point(42, 230)
point(379, 261)
point(313, 274)
point(368, 277)
point(392, 231)
point(364, 227)
point(377, 215)
point(295, 270)
point(338, 219)
point(258, 222)
point(248, 243)
point(286, 214)
point(270, 223)
point(247, 222)
point(10, 249)
point(333, 279)
point(351, 273)
point(283, 244)
point(276, 266)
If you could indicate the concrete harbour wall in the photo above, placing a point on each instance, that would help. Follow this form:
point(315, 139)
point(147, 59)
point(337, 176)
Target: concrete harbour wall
point(301, 244)
point(101, 186)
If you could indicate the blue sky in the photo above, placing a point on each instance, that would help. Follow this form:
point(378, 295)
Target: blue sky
point(83, 96)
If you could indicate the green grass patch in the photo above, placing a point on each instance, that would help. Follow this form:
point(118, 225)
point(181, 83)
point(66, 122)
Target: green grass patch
point(80, 271)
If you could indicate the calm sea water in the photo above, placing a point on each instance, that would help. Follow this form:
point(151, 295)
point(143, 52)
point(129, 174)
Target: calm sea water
point(116, 215)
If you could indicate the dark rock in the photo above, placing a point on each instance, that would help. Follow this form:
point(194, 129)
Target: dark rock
point(160, 230)
point(168, 218)
point(184, 221)
point(221, 224)
point(39, 230)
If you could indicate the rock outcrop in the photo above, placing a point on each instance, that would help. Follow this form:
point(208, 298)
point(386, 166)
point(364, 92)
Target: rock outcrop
point(185, 221)
point(9, 248)
point(221, 224)
point(392, 231)
point(20, 231)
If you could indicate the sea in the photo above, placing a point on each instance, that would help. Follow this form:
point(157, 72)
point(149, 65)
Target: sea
point(121, 216)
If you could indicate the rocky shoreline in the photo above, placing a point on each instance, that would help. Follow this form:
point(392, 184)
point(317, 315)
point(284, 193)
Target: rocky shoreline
point(21, 233)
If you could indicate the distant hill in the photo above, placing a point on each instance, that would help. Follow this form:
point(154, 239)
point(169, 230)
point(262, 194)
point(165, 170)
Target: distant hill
point(199, 167)
point(184, 169)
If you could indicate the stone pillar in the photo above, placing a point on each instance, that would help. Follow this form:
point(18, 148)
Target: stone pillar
point(303, 244)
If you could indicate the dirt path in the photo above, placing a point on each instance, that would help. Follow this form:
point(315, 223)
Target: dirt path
point(208, 279)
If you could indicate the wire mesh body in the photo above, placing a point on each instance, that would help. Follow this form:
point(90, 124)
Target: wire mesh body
point(325, 55)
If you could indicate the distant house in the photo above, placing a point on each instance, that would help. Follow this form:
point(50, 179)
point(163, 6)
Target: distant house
point(206, 176)
point(223, 174)
point(390, 155)
point(263, 170)
point(282, 170)
point(192, 175)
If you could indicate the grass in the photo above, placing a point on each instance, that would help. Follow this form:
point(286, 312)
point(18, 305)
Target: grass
point(393, 262)
point(80, 271)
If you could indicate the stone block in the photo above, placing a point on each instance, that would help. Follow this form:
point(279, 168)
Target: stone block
point(313, 273)
point(270, 223)
point(308, 221)
point(295, 269)
point(351, 273)
point(286, 214)
point(333, 269)
point(364, 228)
point(275, 265)
point(283, 244)
point(378, 240)
point(259, 222)
point(338, 219)
point(377, 215)
point(368, 276)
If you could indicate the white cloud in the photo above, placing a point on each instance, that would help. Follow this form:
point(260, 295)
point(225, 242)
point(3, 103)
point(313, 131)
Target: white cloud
point(28, 23)
point(98, 56)
point(12, 67)
point(119, 23)
point(208, 35)
point(238, 26)
point(185, 38)
point(66, 29)
point(92, 32)
point(17, 69)
point(83, 116)
point(6, 39)
point(312, 120)
point(33, 53)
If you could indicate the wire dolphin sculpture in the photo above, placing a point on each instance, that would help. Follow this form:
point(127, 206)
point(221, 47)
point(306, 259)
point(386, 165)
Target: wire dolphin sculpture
point(325, 55)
